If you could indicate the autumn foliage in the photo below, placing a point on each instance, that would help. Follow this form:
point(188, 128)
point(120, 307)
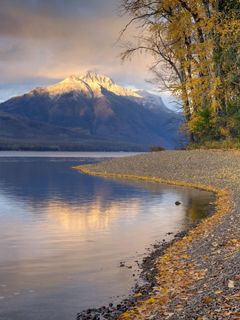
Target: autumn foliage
point(195, 45)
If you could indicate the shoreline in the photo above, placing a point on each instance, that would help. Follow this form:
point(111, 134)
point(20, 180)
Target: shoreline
point(184, 273)
point(140, 292)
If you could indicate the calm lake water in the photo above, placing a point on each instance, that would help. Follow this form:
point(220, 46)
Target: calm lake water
point(63, 234)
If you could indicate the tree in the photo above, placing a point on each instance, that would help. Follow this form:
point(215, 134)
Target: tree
point(195, 46)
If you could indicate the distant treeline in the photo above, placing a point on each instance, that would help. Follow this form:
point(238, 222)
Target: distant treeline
point(28, 145)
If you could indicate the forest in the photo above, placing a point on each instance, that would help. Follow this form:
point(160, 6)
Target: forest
point(195, 46)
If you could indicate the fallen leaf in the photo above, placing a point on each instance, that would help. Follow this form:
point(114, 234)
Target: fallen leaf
point(218, 291)
point(231, 284)
point(207, 300)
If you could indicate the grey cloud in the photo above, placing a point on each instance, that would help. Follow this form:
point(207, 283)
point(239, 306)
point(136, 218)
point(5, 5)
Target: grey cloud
point(14, 88)
point(52, 39)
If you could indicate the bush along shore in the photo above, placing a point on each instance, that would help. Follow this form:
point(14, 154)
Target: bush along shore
point(197, 275)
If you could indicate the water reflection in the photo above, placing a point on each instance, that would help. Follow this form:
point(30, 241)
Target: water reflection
point(63, 234)
point(98, 217)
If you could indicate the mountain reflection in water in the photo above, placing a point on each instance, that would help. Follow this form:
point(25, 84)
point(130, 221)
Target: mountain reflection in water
point(63, 234)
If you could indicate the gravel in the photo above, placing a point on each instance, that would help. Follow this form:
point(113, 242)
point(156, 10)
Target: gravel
point(198, 277)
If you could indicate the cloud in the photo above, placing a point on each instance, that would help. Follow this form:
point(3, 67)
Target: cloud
point(52, 39)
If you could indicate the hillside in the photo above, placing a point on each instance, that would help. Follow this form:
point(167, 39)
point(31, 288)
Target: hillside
point(88, 112)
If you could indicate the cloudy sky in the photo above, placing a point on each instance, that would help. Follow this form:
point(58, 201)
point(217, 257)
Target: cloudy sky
point(44, 41)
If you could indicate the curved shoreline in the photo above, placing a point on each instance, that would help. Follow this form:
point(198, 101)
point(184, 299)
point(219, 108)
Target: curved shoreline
point(192, 283)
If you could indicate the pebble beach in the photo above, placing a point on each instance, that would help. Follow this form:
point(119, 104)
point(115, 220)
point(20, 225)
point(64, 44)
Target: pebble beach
point(198, 276)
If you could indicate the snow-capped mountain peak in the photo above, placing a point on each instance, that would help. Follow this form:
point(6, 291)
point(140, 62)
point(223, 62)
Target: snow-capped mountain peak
point(89, 84)
point(101, 79)
point(70, 84)
point(89, 112)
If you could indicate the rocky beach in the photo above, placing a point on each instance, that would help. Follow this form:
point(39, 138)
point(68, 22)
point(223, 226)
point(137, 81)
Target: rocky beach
point(197, 276)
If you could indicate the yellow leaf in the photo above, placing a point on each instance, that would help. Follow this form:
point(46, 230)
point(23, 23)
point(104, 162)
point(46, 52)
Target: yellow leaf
point(207, 300)
point(218, 291)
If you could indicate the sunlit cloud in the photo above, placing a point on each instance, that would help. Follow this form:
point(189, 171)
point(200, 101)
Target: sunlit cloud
point(53, 39)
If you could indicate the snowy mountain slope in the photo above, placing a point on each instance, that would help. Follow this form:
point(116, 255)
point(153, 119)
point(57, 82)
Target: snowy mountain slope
point(93, 106)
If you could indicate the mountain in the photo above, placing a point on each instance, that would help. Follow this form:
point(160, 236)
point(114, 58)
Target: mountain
point(151, 102)
point(89, 112)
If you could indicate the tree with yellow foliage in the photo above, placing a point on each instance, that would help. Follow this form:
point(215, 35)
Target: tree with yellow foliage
point(195, 46)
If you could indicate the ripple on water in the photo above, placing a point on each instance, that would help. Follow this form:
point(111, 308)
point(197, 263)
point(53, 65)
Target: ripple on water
point(63, 235)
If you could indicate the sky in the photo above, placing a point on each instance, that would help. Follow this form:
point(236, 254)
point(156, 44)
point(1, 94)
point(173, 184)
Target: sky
point(44, 41)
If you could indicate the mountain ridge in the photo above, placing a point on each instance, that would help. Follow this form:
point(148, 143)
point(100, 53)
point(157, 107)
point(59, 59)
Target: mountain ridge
point(90, 84)
point(93, 107)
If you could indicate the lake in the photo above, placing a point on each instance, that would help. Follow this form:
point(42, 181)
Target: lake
point(63, 234)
